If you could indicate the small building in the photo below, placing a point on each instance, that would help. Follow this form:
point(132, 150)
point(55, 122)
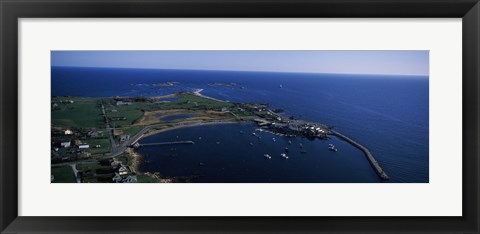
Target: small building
point(123, 170)
point(84, 146)
point(122, 103)
point(68, 132)
point(124, 137)
point(65, 144)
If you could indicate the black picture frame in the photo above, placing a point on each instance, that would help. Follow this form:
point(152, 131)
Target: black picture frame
point(11, 11)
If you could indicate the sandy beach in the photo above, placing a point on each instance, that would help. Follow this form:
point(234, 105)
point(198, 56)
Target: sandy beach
point(186, 125)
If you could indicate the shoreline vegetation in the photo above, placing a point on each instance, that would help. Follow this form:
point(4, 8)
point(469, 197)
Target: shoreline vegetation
point(108, 140)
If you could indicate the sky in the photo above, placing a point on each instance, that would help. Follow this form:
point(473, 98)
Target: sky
point(404, 62)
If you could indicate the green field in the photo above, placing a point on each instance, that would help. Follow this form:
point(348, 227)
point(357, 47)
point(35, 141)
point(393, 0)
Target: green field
point(83, 113)
point(130, 112)
point(104, 143)
point(132, 130)
point(125, 159)
point(145, 179)
point(90, 166)
point(63, 174)
point(194, 102)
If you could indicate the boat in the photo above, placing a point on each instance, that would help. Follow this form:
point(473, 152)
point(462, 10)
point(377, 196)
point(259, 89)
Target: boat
point(280, 86)
point(289, 142)
point(267, 156)
point(254, 134)
point(285, 156)
point(251, 143)
point(301, 145)
point(331, 147)
point(218, 142)
point(286, 149)
point(199, 138)
point(273, 139)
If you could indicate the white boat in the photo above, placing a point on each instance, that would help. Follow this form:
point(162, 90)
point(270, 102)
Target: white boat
point(285, 156)
point(273, 139)
point(267, 156)
point(332, 148)
point(251, 143)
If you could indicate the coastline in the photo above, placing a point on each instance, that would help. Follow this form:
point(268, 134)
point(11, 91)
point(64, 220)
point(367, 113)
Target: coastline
point(136, 157)
point(198, 92)
point(154, 132)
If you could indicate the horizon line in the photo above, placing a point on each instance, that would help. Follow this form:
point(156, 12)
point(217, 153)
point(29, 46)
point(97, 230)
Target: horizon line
point(266, 71)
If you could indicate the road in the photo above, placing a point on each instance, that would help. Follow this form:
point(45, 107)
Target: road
point(75, 172)
point(109, 129)
point(119, 149)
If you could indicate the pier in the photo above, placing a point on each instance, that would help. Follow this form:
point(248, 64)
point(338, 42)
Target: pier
point(138, 145)
point(381, 173)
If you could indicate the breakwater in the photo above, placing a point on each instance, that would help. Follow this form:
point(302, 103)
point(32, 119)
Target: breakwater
point(137, 145)
point(376, 166)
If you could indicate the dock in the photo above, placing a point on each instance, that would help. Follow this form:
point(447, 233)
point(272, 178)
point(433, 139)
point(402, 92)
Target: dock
point(138, 145)
point(376, 166)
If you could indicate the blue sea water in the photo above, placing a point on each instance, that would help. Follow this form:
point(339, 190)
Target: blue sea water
point(387, 114)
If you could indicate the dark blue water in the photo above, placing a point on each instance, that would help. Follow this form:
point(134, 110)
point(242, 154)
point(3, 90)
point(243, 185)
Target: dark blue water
point(387, 114)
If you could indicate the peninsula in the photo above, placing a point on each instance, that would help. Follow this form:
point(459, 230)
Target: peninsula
point(94, 139)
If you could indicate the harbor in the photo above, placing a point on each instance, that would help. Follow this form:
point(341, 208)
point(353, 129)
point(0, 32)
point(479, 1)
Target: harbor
point(313, 131)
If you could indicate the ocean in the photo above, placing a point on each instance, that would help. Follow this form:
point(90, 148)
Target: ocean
point(387, 114)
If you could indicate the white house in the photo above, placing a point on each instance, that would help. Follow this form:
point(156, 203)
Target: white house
point(122, 103)
point(68, 132)
point(83, 146)
point(65, 144)
point(123, 170)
